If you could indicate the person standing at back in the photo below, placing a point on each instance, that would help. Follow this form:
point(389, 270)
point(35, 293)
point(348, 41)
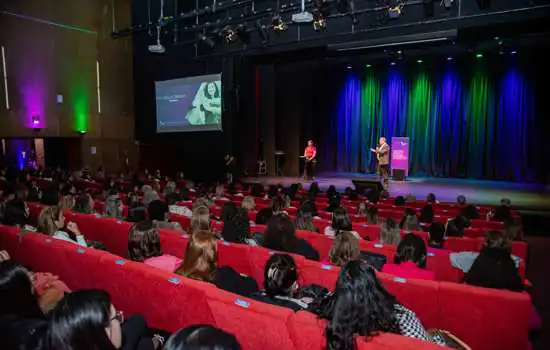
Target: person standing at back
point(383, 156)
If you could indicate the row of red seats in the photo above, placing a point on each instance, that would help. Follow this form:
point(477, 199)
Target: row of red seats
point(428, 299)
point(171, 302)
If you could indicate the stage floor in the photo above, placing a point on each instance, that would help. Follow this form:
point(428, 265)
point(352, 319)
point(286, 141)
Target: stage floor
point(524, 196)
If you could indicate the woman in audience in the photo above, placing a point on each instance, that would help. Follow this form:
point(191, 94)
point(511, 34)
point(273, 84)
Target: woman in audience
point(87, 320)
point(17, 293)
point(136, 211)
point(67, 201)
point(361, 306)
point(281, 283)
point(410, 259)
point(333, 203)
point(427, 214)
point(454, 229)
point(340, 222)
point(372, 216)
point(501, 213)
point(51, 222)
point(200, 263)
point(461, 200)
point(237, 230)
point(158, 214)
point(229, 210)
point(149, 195)
point(263, 216)
point(494, 268)
point(113, 206)
point(84, 204)
point(281, 235)
point(430, 198)
point(144, 246)
point(436, 236)
point(362, 210)
point(389, 233)
point(409, 222)
point(308, 205)
point(200, 221)
point(16, 213)
point(248, 203)
point(470, 212)
point(202, 337)
point(278, 205)
point(314, 189)
point(344, 249)
point(304, 221)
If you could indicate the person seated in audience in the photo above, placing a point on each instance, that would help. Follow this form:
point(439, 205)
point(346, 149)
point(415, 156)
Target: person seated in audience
point(331, 191)
point(172, 199)
point(136, 211)
point(308, 205)
point(399, 201)
point(372, 216)
point(409, 222)
point(340, 222)
point(281, 235)
point(333, 202)
point(314, 189)
point(512, 230)
point(87, 319)
point(453, 229)
point(494, 240)
point(34, 191)
point(149, 195)
point(50, 196)
point(430, 198)
point(220, 193)
point(248, 203)
point(229, 210)
point(501, 213)
point(202, 337)
point(200, 221)
point(281, 284)
point(362, 210)
point(436, 234)
point(389, 233)
point(427, 214)
point(51, 221)
point(158, 214)
point(237, 230)
point(84, 204)
point(461, 200)
point(470, 211)
point(304, 221)
point(201, 263)
point(345, 248)
point(278, 205)
point(114, 208)
point(410, 259)
point(16, 213)
point(263, 216)
point(144, 246)
point(169, 188)
point(361, 306)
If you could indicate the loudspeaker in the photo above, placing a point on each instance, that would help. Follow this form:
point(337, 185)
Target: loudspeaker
point(362, 185)
point(399, 174)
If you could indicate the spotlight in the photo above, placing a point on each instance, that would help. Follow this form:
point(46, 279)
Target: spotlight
point(428, 7)
point(228, 35)
point(278, 24)
point(262, 32)
point(395, 9)
point(349, 66)
point(450, 58)
point(319, 22)
point(419, 61)
point(513, 52)
point(207, 40)
point(243, 34)
point(392, 63)
point(35, 121)
point(479, 55)
point(368, 65)
point(447, 4)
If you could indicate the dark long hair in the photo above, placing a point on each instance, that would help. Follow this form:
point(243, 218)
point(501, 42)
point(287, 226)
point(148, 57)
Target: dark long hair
point(280, 275)
point(411, 248)
point(494, 268)
point(341, 221)
point(361, 306)
point(207, 94)
point(16, 292)
point(236, 230)
point(202, 337)
point(78, 321)
point(280, 233)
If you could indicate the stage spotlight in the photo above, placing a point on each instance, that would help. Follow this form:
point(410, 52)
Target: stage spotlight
point(419, 61)
point(368, 65)
point(207, 40)
point(262, 32)
point(349, 66)
point(278, 24)
point(395, 9)
point(513, 52)
point(450, 58)
point(479, 55)
point(447, 4)
point(428, 7)
point(319, 21)
point(243, 34)
point(228, 35)
point(392, 63)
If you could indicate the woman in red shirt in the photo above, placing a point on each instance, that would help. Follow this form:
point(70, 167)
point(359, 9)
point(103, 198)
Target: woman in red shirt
point(410, 259)
point(309, 155)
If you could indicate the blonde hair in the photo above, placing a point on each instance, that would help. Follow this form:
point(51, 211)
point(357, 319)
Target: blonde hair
point(47, 220)
point(390, 233)
point(67, 201)
point(201, 257)
point(200, 221)
point(344, 249)
point(248, 203)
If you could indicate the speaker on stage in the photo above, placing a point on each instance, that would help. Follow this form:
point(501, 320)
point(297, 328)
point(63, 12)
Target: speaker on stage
point(399, 174)
point(362, 185)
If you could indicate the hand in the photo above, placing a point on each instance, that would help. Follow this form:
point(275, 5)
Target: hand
point(373, 150)
point(71, 226)
point(4, 256)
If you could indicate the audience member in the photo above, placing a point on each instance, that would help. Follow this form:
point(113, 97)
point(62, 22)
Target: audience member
point(436, 238)
point(345, 248)
point(430, 198)
point(399, 201)
point(16, 213)
point(512, 230)
point(149, 195)
point(114, 206)
point(461, 200)
point(202, 337)
point(362, 210)
point(409, 222)
point(17, 293)
point(452, 229)
point(470, 211)
point(263, 216)
point(136, 210)
point(237, 230)
point(229, 210)
point(494, 268)
point(501, 213)
point(333, 202)
point(410, 259)
point(427, 214)
point(200, 221)
point(158, 214)
point(248, 203)
point(281, 235)
point(340, 222)
point(200, 263)
point(52, 221)
point(304, 221)
point(389, 233)
point(84, 204)
point(144, 246)
point(372, 216)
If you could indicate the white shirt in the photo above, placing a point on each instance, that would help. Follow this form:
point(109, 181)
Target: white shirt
point(63, 236)
point(329, 231)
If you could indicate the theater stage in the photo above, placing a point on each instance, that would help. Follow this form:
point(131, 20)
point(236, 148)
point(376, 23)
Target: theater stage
point(524, 196)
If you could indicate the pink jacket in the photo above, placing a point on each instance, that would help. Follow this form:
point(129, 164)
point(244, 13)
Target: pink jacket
point(164, 262)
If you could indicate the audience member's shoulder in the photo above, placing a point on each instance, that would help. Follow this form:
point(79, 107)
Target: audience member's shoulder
point(306, 250)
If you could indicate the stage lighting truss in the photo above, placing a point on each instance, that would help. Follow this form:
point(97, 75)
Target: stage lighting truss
point(243, 34)
point(263, 33)
point(319, 21)
point(278, 25)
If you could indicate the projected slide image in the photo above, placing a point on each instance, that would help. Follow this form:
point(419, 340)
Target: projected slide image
point(189, 104)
